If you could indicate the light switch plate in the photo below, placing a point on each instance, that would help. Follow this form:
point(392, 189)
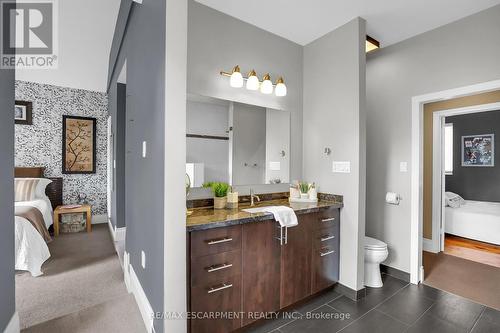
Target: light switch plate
point(144, 149)
point(341, 166)
point(403, 166)
point(143, 259)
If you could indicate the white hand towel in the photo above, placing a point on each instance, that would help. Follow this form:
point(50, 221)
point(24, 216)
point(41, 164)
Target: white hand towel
point(284, 215)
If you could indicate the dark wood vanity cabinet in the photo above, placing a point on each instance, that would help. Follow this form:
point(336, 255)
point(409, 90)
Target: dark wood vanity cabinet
point(252, 268)
point(296, 261)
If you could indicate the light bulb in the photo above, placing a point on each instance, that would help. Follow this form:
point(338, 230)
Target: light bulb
point(280, 90)
point(253, 81)
point(266, 86)
point(236, 80)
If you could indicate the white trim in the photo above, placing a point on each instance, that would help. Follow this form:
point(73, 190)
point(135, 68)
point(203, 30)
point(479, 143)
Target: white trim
point(141, 299)
point(429, 245)
point(439, 183)
point(117, 234)
point(111, 229)
point(126, 270)
point(99, 219)
point(13, 325)
point(417, 165)
point(120, 234)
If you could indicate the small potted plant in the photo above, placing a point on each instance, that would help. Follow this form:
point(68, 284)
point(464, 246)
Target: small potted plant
point(220, 193)
point(304, 190)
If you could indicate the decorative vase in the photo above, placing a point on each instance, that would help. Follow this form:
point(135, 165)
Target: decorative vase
point(220, 202)
point(304, 195)
point(232, 200)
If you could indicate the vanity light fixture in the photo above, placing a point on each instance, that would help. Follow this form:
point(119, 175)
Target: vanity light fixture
point(236, 80)
point(280, 89)
point(267, 86)
point(371, 44)
point(253, 82)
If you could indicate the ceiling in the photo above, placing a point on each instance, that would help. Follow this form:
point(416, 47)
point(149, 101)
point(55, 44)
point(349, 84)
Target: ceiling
point(388, 21)
point(86, 31)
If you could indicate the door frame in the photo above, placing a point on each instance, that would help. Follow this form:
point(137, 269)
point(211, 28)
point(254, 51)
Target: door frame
point(416, 224)
point(438, 183)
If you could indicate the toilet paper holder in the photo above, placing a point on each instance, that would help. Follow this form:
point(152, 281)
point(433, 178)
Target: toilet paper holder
point(393, 198)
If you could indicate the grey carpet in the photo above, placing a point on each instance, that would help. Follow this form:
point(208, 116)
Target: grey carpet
point(83, 271)
point(118, 315)
point(469, 279)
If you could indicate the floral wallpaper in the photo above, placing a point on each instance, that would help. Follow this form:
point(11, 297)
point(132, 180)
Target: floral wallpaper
point(40, 144)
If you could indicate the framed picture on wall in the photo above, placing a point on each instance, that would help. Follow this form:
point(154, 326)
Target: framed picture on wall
point(78, 145)
point(22, 113)
point(478, 150)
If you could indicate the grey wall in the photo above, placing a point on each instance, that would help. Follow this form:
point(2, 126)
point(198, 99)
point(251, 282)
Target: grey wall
point(7, 287)
point(218, 42)
point(145, 122)
point(208, 119)
point(475, 183)
point(249, 144)
point(40, 144)
point(334, 117)
point(458, 54)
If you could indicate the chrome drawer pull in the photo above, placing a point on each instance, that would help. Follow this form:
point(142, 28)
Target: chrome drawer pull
point(322, 254)
point(330, 219)
point(327, 238)
point(218, 241)
point(224, 286)
point(215, 268)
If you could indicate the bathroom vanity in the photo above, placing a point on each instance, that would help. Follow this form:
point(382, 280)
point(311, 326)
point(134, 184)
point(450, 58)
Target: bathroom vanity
point(243, 266)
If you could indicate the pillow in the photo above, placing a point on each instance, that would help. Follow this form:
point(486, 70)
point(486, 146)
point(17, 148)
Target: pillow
point(41, 185)
point(25, 189)
point(453, 200)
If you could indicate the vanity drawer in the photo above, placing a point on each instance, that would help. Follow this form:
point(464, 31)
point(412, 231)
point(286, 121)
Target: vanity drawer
point(215, 241)
point(328, 218)
point(221, 297)
point(215, 268)
point(328, 237)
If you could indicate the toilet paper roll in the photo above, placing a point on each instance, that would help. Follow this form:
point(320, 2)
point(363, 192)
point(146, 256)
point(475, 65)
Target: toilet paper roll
point(392, 198)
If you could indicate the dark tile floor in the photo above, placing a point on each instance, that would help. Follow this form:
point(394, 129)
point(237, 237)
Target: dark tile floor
point(396, 307)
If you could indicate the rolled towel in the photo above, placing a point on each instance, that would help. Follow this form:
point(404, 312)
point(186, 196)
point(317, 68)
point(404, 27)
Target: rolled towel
point(284, 215)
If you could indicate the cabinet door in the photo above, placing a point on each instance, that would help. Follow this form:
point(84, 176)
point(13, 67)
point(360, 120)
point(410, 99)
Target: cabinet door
point(261, 269)
point(296, 261)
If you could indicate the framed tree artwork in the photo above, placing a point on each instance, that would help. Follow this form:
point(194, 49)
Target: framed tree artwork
point(78, 145)
point(22, 113)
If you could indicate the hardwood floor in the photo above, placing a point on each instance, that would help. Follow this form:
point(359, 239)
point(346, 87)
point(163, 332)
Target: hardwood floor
point(469, 249)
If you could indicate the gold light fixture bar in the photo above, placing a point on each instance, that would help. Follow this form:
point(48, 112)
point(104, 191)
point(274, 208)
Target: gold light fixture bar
point(266, 86)
point(371, 44)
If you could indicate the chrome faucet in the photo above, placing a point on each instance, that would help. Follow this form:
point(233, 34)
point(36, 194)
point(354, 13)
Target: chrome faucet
point(253, 196)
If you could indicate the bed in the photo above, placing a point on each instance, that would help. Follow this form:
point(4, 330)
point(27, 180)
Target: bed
point(478, 220)
point(31, 249)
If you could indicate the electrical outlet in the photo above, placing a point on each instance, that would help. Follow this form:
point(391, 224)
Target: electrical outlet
point(144, 149)
point(143, 260)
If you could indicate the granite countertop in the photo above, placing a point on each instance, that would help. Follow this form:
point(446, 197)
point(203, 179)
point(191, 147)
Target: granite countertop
point(208, 218)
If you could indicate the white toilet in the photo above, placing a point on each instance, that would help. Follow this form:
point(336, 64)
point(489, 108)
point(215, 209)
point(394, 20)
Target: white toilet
point(375, 252)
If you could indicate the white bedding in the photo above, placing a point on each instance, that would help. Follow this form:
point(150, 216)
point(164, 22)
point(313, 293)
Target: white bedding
point(477, 220)
point(31, 249)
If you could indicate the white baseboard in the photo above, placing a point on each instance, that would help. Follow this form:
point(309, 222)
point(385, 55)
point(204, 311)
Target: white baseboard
point(120, 234)
point(141, 299)
point(13, 325)
point(98, 219)
point(117, 234)
point(428, 245)
point(126, 270)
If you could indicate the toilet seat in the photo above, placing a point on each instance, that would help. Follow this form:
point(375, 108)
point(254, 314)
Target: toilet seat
point(374, 244)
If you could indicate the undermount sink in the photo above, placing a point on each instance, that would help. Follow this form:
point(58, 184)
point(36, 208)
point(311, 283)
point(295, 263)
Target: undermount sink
point(255, 210)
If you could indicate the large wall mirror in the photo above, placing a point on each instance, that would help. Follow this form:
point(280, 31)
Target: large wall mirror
point(236, 143)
